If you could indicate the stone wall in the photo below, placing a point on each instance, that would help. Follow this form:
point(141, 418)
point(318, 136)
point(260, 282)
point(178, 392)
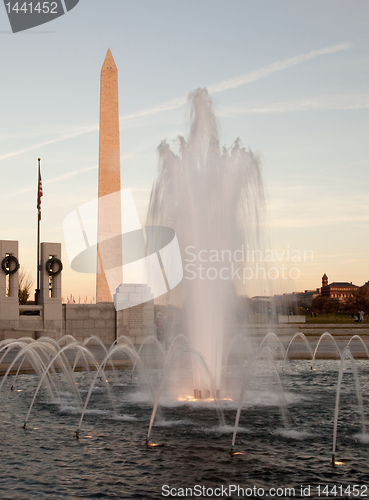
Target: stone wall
point(136, 322)
point(51, 318)
point(85, 320)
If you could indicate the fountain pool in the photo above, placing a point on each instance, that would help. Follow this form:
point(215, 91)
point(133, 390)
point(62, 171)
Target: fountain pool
point(169, 424)
point(110, 459)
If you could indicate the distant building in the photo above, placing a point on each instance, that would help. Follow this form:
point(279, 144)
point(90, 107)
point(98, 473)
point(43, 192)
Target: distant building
point(287, 302)
point(307, 296)
point(337, 290)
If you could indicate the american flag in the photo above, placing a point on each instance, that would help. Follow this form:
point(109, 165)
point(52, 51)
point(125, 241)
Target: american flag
point(40, 192)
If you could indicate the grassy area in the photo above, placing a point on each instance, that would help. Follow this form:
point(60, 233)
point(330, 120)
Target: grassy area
point(333, 318)
point(320, 319)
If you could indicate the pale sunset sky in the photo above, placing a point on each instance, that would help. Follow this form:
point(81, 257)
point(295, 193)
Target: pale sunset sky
point(290, 79)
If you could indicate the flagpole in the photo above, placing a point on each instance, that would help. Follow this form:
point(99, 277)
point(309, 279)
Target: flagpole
point(37, 294)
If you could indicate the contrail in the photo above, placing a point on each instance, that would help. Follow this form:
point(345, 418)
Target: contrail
point(243, 79)
point(325, 102)
point(274, 68)
point(81, 131)
point(213, 88)
point(67, 175)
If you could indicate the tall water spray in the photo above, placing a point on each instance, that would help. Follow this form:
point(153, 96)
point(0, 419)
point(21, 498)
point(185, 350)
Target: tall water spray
point(213, 198)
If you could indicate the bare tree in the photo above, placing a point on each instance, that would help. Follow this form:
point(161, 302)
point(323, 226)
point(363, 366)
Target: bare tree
point(25, 283)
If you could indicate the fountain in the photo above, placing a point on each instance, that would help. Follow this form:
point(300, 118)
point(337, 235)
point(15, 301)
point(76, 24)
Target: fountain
point(207, 390)
point(213, 199)
point(285, 420)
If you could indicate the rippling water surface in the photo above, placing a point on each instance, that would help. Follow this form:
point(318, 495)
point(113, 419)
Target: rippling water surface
point(111, 461)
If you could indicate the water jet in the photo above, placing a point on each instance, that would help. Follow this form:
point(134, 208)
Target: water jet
point(199, 190)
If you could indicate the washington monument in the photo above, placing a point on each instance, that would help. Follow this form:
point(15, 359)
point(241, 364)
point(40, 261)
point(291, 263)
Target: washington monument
point(109, 215)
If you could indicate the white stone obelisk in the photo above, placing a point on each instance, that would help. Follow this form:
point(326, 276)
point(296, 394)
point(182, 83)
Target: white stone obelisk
point(109, 215)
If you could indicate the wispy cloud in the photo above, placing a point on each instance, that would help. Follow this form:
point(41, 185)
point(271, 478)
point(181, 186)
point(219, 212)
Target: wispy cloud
point(70, 135)
point(329, 102)
point(180, 101)
point(311, 206)
point(67, 175)
point(70, 175)
point(274, 68)
point(165, 106)
point(238, 81)
point(59, 178)
point(327, 220)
